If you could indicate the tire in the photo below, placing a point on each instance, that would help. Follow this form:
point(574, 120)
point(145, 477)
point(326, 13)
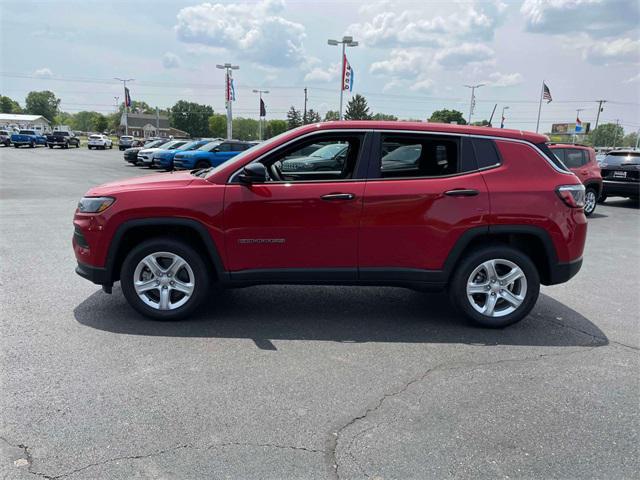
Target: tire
point(51, 146)
point(525, 289)
point(66, 145)
point(590, 200)
point(111, 146)
point(16, 145)
point(202, 164)
point(32, 145)
point(602, 199)
point(195, 274)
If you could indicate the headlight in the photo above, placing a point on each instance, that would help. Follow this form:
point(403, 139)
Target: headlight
point(95, 204)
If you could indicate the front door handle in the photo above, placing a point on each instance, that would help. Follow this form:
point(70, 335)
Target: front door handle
point(338, 196)
point(462, 192)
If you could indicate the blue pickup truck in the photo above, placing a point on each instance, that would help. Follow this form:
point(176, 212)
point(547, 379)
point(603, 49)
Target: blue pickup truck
point(28, 137)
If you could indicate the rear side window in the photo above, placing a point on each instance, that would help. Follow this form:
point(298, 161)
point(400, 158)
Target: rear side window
point(224, 147)
point(486, 153)
point(419, 156)
point(238, 147)
point(559, 152)
point(574, 158)
point(551, 157)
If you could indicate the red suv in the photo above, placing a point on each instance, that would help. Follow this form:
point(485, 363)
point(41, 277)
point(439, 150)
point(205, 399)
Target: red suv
point(488, 214)
point(582, 161)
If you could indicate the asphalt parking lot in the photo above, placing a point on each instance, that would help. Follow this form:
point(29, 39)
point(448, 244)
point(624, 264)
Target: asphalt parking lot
point(282, 382)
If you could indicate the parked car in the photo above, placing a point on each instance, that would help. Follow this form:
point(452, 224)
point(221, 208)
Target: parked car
point(5, 138)
point(210, 155)
point(489, 215)
point(28, 137)
point(164, 158)
point(145, 156)
point(99, 141)
point(131, 154)
point(621, 174)
point(327, 157)
point(582, 161)
point(62, 139)
point(125, 141)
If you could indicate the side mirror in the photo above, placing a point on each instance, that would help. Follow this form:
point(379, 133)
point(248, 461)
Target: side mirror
point(253, 173)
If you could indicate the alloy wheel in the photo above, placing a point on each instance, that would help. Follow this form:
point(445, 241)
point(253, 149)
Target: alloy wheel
point(164, 281)
point(589, 201)
point(496, 288)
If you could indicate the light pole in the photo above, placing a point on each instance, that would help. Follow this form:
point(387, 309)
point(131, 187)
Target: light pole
point(473, 98)
point(116, 99)
point(227, 67)
point(260, 92)
point(502, 117)
point(345, 42)
point(126, 108)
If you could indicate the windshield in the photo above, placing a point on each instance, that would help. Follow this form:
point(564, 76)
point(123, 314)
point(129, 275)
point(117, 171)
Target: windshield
point(126, 138)
point(27, 132)
point(406, 154)
point(329, 151)
point(208, 146)
point(171, 145)
point(64, 134)
point(618, 158)
point(153, 144)
point(95, 137)
point(190, 146)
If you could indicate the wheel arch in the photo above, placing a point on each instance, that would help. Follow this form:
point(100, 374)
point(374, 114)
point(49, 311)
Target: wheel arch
point(533, 241)
point(595, 185)
point(132, 232)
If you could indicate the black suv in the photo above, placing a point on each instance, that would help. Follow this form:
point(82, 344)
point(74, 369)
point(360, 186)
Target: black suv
point(621, 174)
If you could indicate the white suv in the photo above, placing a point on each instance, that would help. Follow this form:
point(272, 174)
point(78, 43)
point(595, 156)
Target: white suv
point(99, 141)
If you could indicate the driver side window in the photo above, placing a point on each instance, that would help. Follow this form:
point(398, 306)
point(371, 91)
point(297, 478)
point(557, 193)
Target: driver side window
point(320, 158)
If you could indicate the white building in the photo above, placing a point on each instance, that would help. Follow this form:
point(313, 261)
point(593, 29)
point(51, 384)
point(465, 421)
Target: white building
point(19, 121)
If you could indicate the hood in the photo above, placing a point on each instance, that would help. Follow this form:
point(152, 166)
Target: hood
point(149, 150)
point(148, 182)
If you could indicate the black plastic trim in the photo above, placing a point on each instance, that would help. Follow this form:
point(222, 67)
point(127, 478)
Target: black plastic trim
point(96, 275)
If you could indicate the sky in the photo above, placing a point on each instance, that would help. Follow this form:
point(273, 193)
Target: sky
point(413, 56)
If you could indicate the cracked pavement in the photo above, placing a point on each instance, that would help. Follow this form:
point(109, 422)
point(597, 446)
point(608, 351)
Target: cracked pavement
point(303, 382)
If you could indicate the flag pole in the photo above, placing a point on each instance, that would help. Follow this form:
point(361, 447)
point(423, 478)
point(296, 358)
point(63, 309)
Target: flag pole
point(540, 106)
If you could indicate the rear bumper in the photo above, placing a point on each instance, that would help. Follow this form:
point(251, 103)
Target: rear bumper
point(563, 272)
point(96, 275)
point(624, 189)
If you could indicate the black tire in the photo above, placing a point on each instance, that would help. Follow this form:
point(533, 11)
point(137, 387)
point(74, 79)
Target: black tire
point(602, 199)
point(88, 147)
point(16, 145)
point(51, 146)
point(590, 191)
point(66, 145)
point(32, 145)
point(458, 285)
point(165, 244)
point(202, 164)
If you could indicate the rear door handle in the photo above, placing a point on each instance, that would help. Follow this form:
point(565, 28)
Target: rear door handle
point(338, 196)
point(462, 192)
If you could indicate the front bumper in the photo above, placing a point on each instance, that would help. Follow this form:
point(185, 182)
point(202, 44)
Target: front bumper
point(624, 189)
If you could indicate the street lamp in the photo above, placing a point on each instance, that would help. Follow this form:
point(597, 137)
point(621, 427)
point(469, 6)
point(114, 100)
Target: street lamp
point(227, 67)
point(126, 109)
point(345, 42)
point(473, 98)
point(260, 92)
point(502, 117)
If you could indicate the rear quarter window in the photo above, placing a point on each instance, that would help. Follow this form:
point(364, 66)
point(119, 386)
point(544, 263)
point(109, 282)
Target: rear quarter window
point(486, 152)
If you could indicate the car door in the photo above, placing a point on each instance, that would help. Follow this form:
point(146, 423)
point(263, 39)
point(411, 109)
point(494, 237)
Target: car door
point(301, 225)
point(424, 191)
point(222, 153)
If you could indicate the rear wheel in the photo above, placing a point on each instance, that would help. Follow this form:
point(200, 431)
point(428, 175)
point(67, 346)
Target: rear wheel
point(590, 200)
point(202, 164)
point(50, 146)
point(602, 199)
point(164, 279)
point(32, 145)
point(495, 286)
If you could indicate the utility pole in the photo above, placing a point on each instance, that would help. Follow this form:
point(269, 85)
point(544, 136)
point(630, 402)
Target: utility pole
point(304, 114)
point(126, 107)
point(600, 102)
point(229, 95)
point(260, 92)
point(345, 42)
point(473, 98)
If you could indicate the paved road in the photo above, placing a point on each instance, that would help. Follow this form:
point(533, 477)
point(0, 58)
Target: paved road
point(303, 382)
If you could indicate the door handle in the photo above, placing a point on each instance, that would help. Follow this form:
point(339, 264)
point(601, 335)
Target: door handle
point(338, 196)
point(462, 192)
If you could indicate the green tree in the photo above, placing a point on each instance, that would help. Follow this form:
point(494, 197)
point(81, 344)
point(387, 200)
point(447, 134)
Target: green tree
point(384, 116)
point(447, 116)
point(245, 128)
point(100, 123)
point(63, 118)
point(331, 115)
point(630, 140)
point(218, 125)
point(85, 121)
point(138, 106)
point(42, 103)
point(482, 123)
point(191, 117)
point(607, 135)
point(8, 105)
point(294, 119)
point(311, 117)
point(275, 127)
point(357, 109)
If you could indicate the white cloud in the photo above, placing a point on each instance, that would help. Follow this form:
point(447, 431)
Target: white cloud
point(497, 79)
point(322, 74)
point(424, 85)
point(598, 18)
point(632, 79)
point(170, 60)
point(620, 50)
point(400, 62)
point(461, 55)
point(43, 73)
point(255, 31)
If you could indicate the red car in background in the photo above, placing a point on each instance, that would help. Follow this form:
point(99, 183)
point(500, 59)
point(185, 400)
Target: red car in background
point(581, 160)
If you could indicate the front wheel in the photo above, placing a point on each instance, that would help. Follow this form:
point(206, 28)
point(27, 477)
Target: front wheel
point(32, 145)
point(495, 286)
point(164, 279)
point(202, 164)
point(590, 200)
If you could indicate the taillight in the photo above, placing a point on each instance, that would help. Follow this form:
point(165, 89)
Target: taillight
point(572, 195)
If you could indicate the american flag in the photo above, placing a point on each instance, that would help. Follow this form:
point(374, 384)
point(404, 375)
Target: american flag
point(546, 93)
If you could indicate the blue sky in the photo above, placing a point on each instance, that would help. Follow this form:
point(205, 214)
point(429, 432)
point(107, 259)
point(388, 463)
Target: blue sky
point(414, 56)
